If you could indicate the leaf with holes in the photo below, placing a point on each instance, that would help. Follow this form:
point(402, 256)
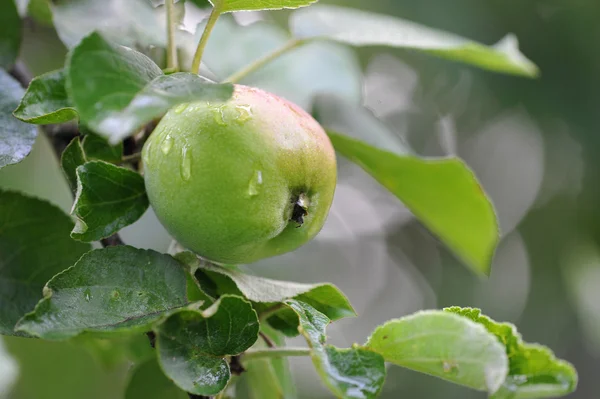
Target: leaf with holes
point(108, 198)
point(192, 344)
point(111, 290)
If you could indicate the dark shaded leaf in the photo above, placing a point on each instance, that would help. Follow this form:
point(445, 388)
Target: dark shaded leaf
point(71, 158)
point(111, 290)
point(108, 198)
point(97, 148)
point(10, 33)
point(34, 246)
point(46, 100)
point(192, 344)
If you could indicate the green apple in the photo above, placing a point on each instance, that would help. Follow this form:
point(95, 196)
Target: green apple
point(243, 180)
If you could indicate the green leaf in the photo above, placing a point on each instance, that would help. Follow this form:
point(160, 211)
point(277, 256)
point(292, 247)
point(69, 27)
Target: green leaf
point(10, 33)
point(267, 294)
point(46, 101)
point(34, 246)
point(114, 289)
point(192, 344)
point(71, 158)
point(442, 193)
point(98, 148)
point(534, 371)
point(103, 78)
point(149, 382)
point(300, 74)
point(360, 28)
point(255, 5)
point(16, 137)
point(127, 22)
point(443, 345)
point(155, 99)
point(108, 198)
point(40, 11)
point(349, 373)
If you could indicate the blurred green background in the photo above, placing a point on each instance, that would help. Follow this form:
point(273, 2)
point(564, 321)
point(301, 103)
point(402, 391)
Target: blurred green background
point(534, 144)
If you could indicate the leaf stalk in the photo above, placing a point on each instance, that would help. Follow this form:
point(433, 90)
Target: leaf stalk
point(256, 65)
point(172, 61)
point(274, 352)
point(212, 20)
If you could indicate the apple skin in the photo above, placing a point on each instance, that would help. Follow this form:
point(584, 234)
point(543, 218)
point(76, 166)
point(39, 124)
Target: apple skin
point(243, 180)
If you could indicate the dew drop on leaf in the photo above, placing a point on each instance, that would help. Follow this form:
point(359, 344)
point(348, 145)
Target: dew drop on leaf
point(87, 294)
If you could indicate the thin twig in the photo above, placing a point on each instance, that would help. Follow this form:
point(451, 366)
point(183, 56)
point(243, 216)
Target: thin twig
point(112, 241)
point(133, 158)
point(253, 67)
point(212, 20)
point(267, 340)
point(172, 61)
point(274, 352)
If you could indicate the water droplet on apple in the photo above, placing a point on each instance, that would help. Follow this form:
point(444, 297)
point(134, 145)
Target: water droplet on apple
point(180, 108)
point(146, 153)
point(218, 115)
point(186, 163)
point(167, 144)
point(255, 183)
point(244, 113)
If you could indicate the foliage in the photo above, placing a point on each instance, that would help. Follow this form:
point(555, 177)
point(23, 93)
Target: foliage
point(209, 323)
